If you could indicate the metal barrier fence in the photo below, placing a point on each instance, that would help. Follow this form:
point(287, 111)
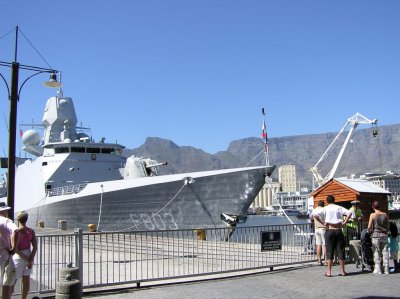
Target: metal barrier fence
point(111, 258)
point(54, 252)
point(116, 258)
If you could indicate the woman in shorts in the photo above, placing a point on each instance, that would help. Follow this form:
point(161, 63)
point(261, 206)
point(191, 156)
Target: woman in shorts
point(25, 253)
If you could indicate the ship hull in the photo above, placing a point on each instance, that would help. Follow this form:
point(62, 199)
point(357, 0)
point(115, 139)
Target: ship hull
point(184, 201)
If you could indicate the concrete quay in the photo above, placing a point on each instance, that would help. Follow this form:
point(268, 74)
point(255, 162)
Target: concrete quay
point(306, 281)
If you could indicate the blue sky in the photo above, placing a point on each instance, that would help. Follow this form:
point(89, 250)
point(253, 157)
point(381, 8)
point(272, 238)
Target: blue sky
point(199, 72)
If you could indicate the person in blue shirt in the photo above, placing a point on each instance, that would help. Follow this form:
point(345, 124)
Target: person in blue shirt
point(393, 246)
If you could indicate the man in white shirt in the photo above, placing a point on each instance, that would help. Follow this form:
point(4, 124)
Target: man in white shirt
point(332, 217)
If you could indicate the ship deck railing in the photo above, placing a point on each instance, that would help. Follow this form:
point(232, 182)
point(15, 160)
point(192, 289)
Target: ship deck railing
point(120, 259)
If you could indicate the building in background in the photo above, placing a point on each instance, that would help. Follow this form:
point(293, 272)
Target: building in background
point(286, 186)
point(287, 178)
point(389, 181)
point(292, 200)
point(264, 199)
point(288, 194)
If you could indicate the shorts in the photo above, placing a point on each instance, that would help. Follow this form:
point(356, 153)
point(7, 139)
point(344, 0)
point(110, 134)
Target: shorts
point(16, 268)
point(2, 266)
point(21, 265)
point(9, 273)
point(320, 236)
point(393, 255)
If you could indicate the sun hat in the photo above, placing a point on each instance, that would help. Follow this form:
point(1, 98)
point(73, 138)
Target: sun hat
point(3, 206)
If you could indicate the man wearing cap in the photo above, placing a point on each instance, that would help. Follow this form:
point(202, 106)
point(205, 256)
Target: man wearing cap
point(351, 229)
point(8, 243)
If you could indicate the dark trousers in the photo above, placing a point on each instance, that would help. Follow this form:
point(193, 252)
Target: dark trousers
point(334, 240)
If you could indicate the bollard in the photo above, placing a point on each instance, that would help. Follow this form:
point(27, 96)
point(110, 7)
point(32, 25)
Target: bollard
point(69, 286)
point(69, 270)
point(92, 228)
point(62, 224)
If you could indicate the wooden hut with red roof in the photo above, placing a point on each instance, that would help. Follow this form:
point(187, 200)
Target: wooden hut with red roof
point(346, 190)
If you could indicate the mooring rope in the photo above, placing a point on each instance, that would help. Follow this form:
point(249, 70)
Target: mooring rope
point(287, 217)
point(101, 205)
point(41, 206)
point(154, 215)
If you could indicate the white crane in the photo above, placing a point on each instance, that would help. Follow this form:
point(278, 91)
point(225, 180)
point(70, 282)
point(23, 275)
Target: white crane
point(353, 122)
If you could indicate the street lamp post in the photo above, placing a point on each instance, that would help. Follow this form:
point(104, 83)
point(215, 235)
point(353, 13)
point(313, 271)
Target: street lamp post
point(12, 138)
point(13, 93)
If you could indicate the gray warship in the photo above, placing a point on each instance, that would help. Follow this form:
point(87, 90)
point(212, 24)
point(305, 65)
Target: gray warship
point(72, 179)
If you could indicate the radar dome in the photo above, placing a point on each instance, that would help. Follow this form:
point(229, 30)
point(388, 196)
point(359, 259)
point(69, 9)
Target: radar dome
point(63, 103)
point(30, 137)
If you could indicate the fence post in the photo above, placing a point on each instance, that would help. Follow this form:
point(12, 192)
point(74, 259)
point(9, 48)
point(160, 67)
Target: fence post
point(79, 251)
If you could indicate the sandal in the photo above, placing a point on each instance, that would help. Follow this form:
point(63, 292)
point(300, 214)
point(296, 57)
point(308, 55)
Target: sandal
point(327, 275)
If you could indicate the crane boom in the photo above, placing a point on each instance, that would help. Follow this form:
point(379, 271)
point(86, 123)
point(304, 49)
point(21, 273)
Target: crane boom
point(353, 121)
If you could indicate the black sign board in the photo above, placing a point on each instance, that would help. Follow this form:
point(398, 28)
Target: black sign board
point(271, 240)
point(3, 163)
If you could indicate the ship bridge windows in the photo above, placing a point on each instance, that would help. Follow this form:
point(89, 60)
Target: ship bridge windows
point(61, 150)
point(108, 150)
point(93, 150)
point(77, 149)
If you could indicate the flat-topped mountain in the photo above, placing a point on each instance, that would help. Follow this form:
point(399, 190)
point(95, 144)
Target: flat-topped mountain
point(364, 153)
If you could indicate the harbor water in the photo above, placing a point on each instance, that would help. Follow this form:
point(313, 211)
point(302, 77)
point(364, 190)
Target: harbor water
point(294, 231)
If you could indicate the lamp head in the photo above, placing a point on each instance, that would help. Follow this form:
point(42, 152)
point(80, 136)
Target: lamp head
point(53, 82)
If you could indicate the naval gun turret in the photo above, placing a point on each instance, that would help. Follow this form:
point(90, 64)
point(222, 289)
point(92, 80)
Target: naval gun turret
point(137, 167)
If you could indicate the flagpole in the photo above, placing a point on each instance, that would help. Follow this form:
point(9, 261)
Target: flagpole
point(264, 135)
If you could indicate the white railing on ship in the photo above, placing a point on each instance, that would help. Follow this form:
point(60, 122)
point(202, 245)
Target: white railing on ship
point(64, 190)
point(107, 259)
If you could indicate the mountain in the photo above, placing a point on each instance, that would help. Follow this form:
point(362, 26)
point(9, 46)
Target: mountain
point(364, 153)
